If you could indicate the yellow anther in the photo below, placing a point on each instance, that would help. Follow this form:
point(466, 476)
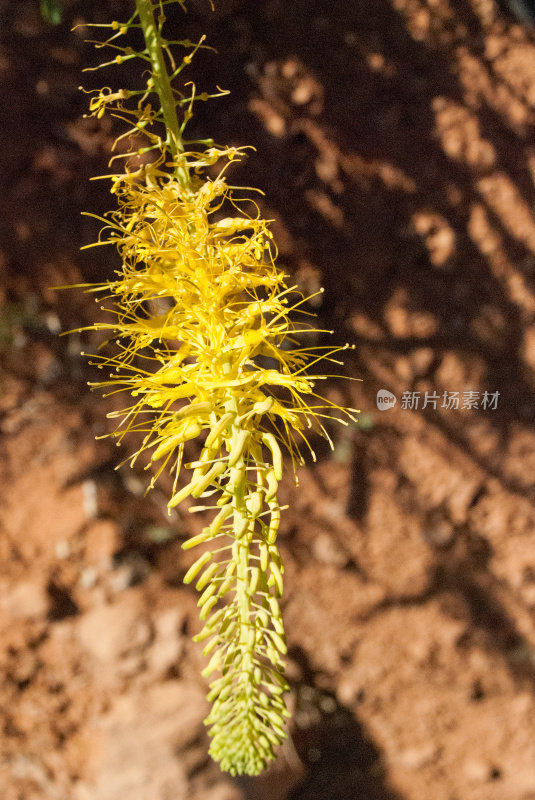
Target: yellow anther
point(180, 496)
point(207, 576)
point(207, 607)
point(208, 592)
point(219, 520)
point(194, 409)
point(264, 556)
point(203, 483)
point(254, 503)
point(197, 566)
point(253, 581)
point(198, 539)
point(191, 431)
point(238, 447)
point(269, 440)
point(215, 434)
point(275, 578)
point(272, 485)
point(274, 522)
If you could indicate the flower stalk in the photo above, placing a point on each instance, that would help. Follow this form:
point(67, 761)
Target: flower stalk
point(152, 33)
point(207, 349)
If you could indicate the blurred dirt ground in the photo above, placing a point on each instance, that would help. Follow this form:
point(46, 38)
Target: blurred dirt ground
point(395, 146)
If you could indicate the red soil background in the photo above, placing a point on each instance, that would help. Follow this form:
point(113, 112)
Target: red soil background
point(395, 149)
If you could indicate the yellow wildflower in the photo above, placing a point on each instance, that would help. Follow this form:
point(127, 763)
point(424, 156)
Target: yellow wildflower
point(207, 348)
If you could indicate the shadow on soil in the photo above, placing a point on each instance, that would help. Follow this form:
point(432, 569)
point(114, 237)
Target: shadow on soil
point(330, 756)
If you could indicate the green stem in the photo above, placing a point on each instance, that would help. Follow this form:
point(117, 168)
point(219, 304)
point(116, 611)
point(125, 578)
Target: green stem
point(162, 86)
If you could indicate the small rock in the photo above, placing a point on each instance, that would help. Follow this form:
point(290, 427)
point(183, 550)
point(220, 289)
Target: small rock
point(476, 770)
point(167, 646)
point(112, 631)
point(417, 757)
point(25, 599)
point(328, 551)
point(102, 541)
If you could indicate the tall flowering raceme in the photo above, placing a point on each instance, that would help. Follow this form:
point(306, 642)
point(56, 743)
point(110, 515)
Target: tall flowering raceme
point(206, 346)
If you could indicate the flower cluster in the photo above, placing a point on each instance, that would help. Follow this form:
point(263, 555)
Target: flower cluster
point(206, 346)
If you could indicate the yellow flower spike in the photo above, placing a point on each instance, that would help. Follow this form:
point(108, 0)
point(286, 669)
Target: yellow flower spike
point(198, 306)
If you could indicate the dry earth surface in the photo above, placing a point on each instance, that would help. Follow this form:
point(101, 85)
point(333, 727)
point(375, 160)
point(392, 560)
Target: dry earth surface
point(395, 146)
